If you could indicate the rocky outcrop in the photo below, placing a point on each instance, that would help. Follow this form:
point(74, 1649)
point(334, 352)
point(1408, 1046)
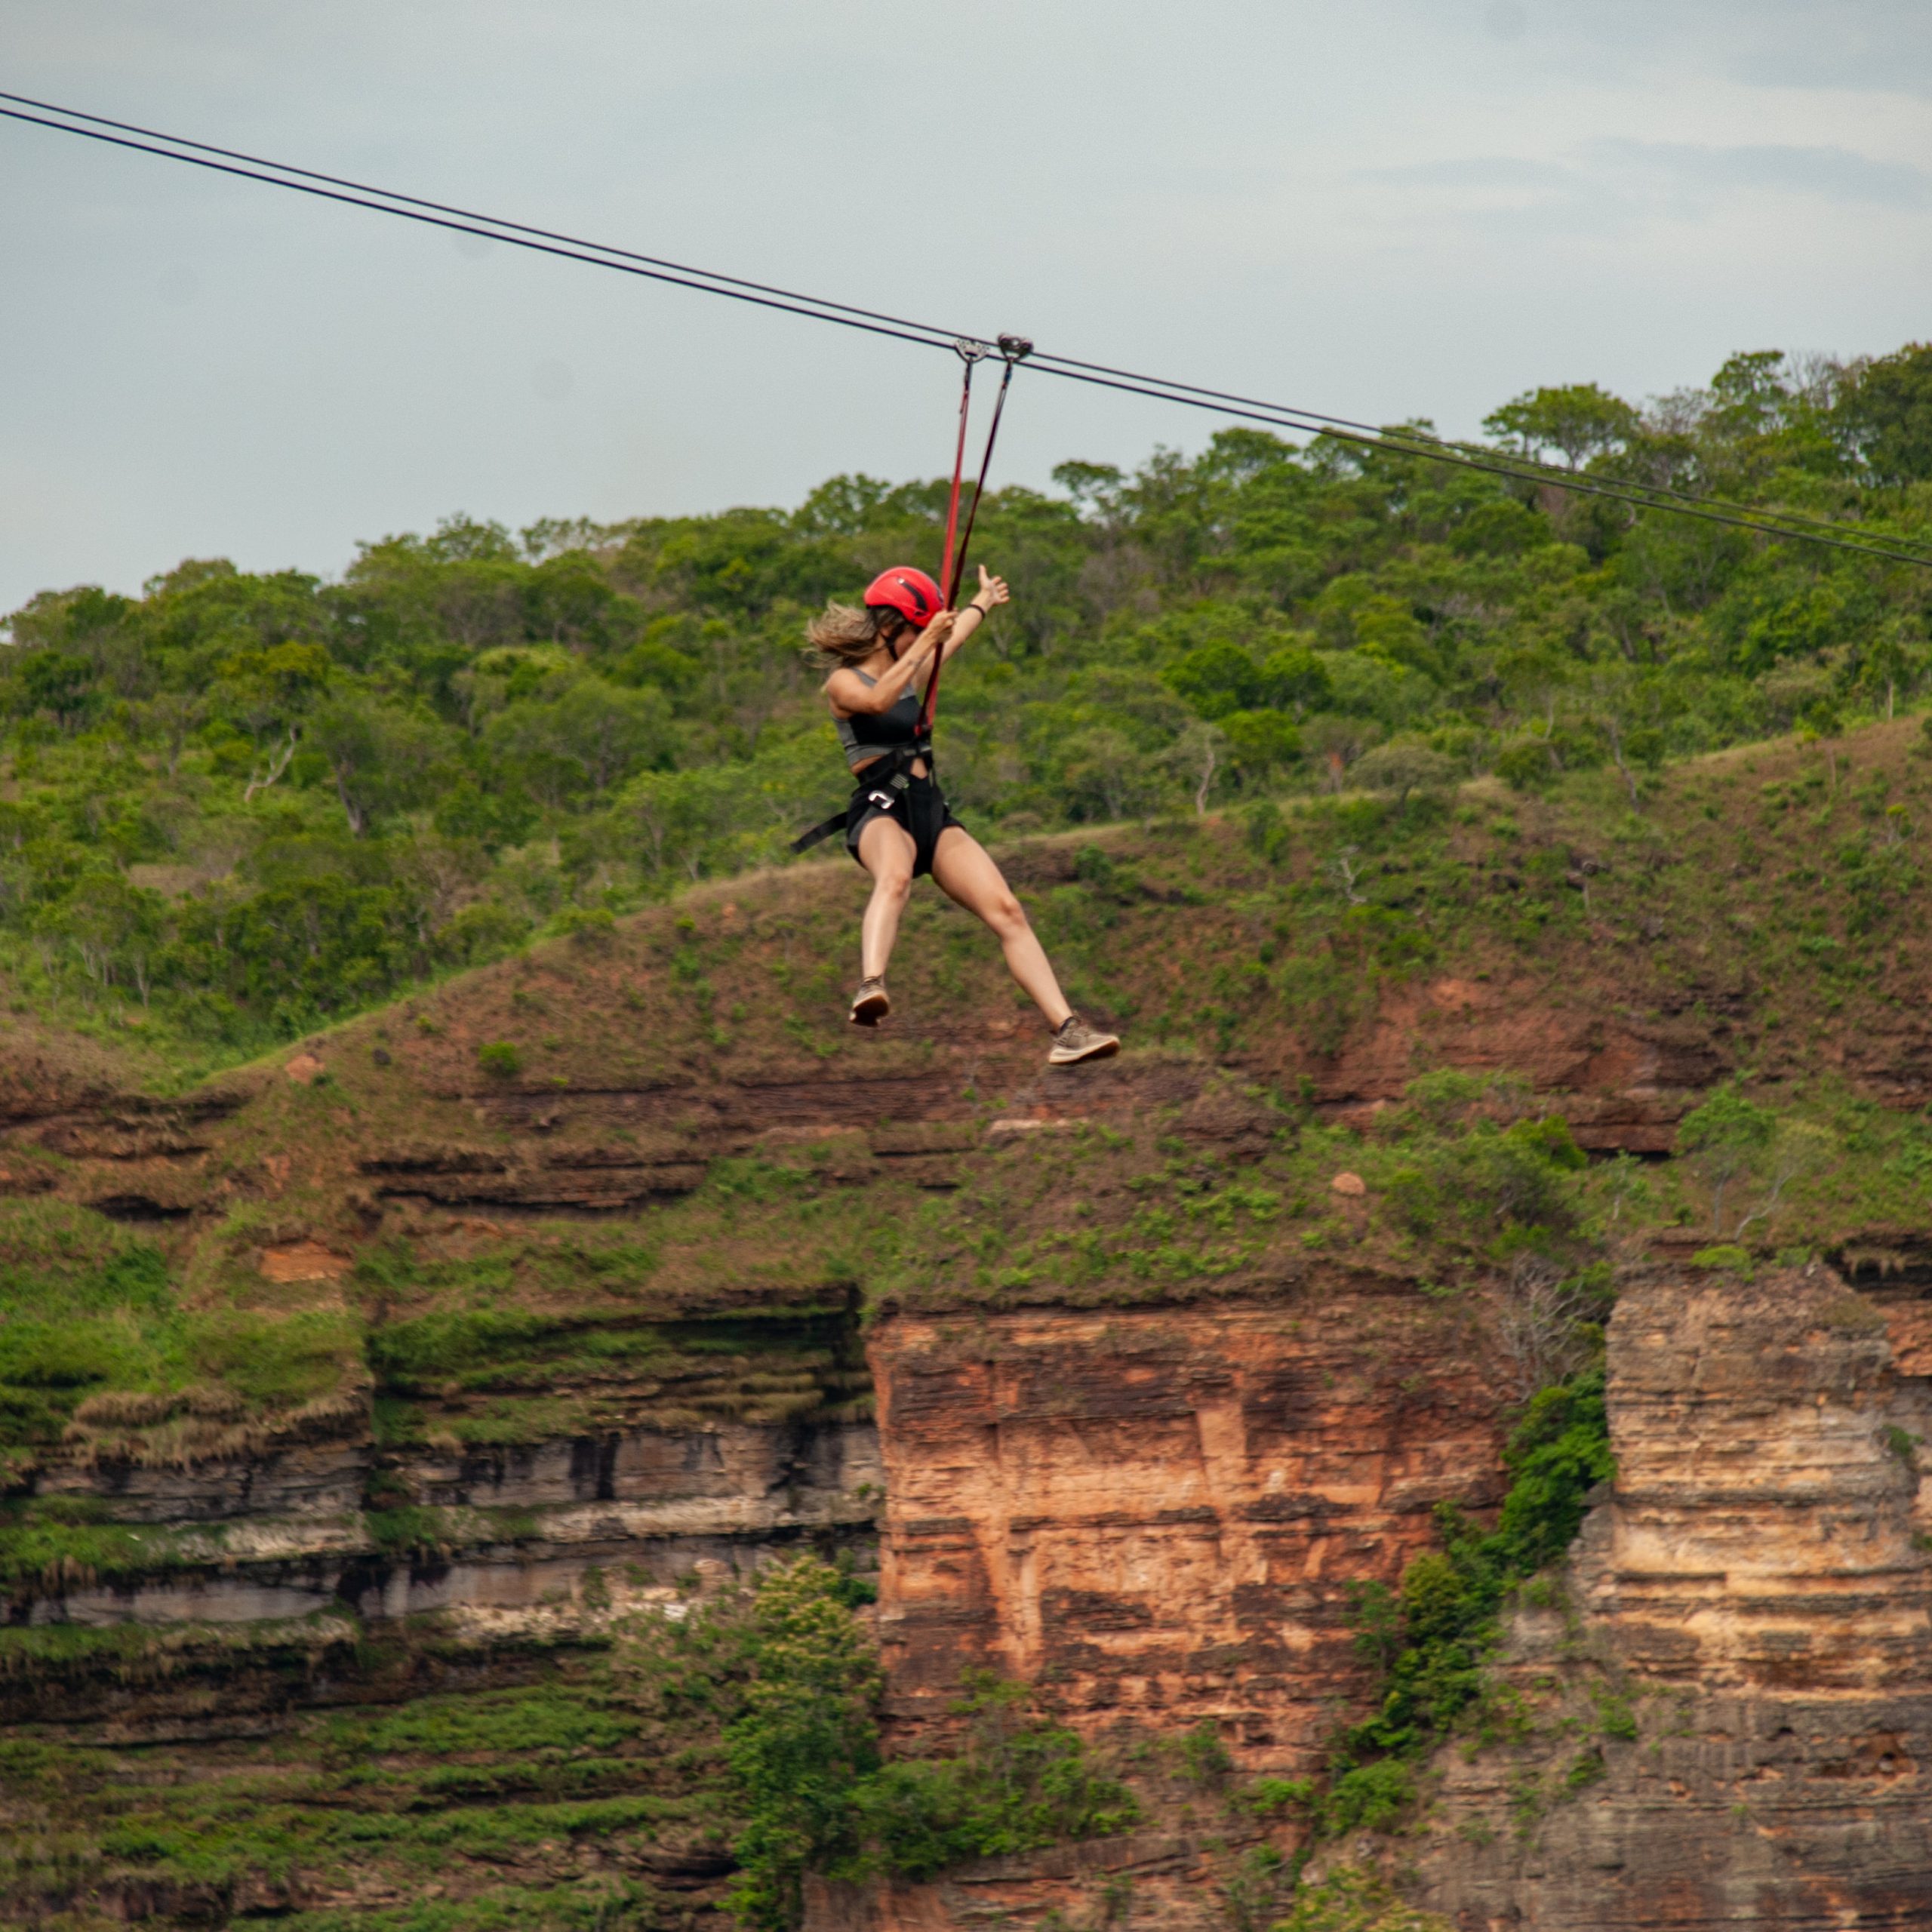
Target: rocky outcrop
point(1722, 1717)
point(566, 1530)
point(1627, 1079)
point(1162, 1513)
point(1756, 1595)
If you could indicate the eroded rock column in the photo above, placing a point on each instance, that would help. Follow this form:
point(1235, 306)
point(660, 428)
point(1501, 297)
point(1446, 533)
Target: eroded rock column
point(1754, 1587)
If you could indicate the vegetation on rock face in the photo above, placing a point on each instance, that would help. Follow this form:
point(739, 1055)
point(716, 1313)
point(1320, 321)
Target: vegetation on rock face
point(95, 1343)
point(537, 1805)
point(1429, 1637)
point(789, 1678)
point(1349, 1900)
point(241, 805)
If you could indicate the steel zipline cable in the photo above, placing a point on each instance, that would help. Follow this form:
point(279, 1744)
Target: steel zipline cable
point(694, 276)
point(1315, 423)
point(592, 252)
point(1400, 441)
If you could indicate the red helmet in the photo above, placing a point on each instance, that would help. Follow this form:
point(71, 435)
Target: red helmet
point(912, 593)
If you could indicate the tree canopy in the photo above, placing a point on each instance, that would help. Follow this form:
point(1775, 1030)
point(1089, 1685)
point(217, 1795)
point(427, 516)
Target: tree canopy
point(248, 801)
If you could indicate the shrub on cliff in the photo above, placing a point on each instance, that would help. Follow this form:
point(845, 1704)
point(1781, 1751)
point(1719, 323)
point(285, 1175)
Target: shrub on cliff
point(1557, 1454)
point(804, 1741)
point(1351, 1900)
point(1475, 1167)
point(788, 1675)
point(1488, 1179)
point(1016, 1784)
point(1429, 1638)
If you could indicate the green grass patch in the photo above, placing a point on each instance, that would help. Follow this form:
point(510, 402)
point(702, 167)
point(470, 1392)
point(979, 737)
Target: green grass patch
point(47, 1541)
point(551, 1723)
point(412, 1531)
point(276, 1361)
point(84, 1304)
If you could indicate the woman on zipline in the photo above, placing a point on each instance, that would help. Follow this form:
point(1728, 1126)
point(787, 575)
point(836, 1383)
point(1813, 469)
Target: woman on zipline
point(898, 825)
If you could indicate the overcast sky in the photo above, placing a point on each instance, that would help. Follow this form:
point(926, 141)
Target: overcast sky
point(1380, 208)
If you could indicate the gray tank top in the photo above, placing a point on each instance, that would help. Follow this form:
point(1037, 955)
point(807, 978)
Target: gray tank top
point(870, 733)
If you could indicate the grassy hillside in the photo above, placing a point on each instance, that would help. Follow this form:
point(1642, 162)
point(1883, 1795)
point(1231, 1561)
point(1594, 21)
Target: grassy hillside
point(646, 1175)
point(240, 807)
point(459, 1201)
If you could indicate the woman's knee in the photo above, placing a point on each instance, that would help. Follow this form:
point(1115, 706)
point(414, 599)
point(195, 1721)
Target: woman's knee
point(1005, 914)
point(893, 885)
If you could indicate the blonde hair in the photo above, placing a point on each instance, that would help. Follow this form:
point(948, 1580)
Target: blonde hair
point(847, 634)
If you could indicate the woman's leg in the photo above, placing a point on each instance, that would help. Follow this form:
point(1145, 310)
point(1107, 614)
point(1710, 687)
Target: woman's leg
point(966, 873)
point(886, 851)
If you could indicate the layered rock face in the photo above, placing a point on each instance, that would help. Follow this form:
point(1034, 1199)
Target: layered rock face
point(1722, 1718)
point(1757, 1592)
point(1158, 1514)
point(1161, 1514)
point(631, 1516)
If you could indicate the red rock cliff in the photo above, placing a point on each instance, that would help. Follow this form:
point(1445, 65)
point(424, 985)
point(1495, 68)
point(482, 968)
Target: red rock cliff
point(1159, 1514)
point(1723, 1718)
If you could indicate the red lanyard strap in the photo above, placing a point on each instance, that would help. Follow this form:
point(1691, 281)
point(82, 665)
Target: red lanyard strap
point(968, 352)
point(1013, 349)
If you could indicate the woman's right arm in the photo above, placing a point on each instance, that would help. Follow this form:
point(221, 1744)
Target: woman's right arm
point(849, 693)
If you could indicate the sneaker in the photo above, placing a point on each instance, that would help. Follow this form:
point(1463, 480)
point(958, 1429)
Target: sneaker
point(1074, 1040)
point(871, 1003)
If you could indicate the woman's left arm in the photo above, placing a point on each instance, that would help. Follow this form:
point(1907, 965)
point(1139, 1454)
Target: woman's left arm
point(992, 592)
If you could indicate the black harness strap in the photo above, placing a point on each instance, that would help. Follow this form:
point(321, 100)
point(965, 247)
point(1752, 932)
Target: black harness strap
point(894, 769)
point(820, 832)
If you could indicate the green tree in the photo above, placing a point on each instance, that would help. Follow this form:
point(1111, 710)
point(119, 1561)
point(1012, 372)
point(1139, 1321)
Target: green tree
point(115, 928)
point(1261, 743)
point(1403, 766)
point(1105, 772)
point(60, 683)
point(1726, 1138)
point(1217, 678)
point(1580, 420)
point(381, 757)
point(682, 819)
point(1750, 395)
point(807, 1735)
point(1095, 487)
point(588, 739)
point(1294, 678)
point(1885, 413)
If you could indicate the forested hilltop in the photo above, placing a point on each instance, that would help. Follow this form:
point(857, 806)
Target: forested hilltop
point(241, 805)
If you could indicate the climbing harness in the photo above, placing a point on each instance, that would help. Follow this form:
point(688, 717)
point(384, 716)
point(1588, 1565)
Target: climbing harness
point(889, 777)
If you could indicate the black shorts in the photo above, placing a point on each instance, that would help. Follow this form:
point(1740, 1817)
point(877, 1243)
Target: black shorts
point(920, 810)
